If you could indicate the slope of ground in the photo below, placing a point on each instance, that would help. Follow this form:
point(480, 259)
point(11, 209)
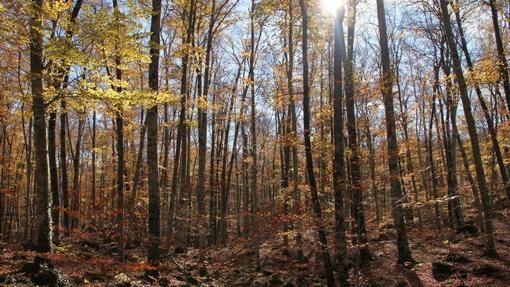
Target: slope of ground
point(445, 258)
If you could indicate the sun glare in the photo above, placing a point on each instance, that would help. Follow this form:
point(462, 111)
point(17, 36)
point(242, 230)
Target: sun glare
point(331, 6)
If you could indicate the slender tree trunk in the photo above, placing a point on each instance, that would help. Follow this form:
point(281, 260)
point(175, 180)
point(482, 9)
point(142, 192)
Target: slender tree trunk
point(503, 64)
point(152, 139)
point(213, 203)
point(472, 184)
point(137, 173)
point(355, 160)
point(253, 123)
point(2, 176)
point(181, 223)
point(294, 174)
point(120, 182)
point(490, 124)
point(120, 151)
point(52, 157)
point(316, 206)
point(409, 160)
point(375, 192)
point(63, 166)
point(226, 172)
point(27, 137)
point(76, 156)
point(282, 131)
point(339, 176)
point(430, 141)
point(475, 145)
point(450, 143)
point(202, 141)
point(93, 188)
point(246, 189)
point(404, 253)
point(166, 160)
point(181, 129)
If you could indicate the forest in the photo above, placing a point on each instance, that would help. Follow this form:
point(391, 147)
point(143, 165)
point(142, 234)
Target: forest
point(255, 143)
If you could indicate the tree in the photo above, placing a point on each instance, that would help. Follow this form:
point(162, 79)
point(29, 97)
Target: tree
point(339, 177)
point(490, 249)
point(292, 129)
point(490, 123)
point(253, 128)
point(52, 159)
point(316, 207)
point(355, 162)
point(120, 145)
point(202, 135)
point(502, 63)
point(152, 138)
point(404, 253)
point(43, 223)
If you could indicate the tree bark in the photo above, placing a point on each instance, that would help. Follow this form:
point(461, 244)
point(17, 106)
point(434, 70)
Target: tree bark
point(42, 218)
point(404, 253)
point(472, 184)
point(316, 206)
point(152, 139)
point(490, 124)
point(339, 176)
point(355, 161)
point(63, 166)
point(502, 63)
point(52, 157)
point(137, 173)
point(253, 124)
point(202, 139)
point(490, 249)
point(292, 126)
point(120, 150)
point(450, 143)
point(93, 183)
point(76, 157)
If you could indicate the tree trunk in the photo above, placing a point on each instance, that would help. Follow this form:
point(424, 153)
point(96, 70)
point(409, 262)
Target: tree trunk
point(137, 173)
point(450, 143)
point(404, 253)
point(2, 176)
point(316, 206)
point(475, 145)
point(52, 157)
point(120, 151)
point(490, 124)
point(76, 156)
point(63, 166)
point(472, 184)
point(503, 64)
point(375, 192)
point(152, 139)
point(339, 176)
point(253, 151)
point(27, 136)
point(120, 182)
point(202, 140)
point(357, 188)
point(43, 222)
point(93, 183)
point(294, 174)
point(432, 164)
point(213, 203)
point(181, 129)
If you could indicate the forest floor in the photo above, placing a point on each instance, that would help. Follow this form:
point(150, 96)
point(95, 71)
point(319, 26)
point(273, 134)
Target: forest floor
point(445, 258)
